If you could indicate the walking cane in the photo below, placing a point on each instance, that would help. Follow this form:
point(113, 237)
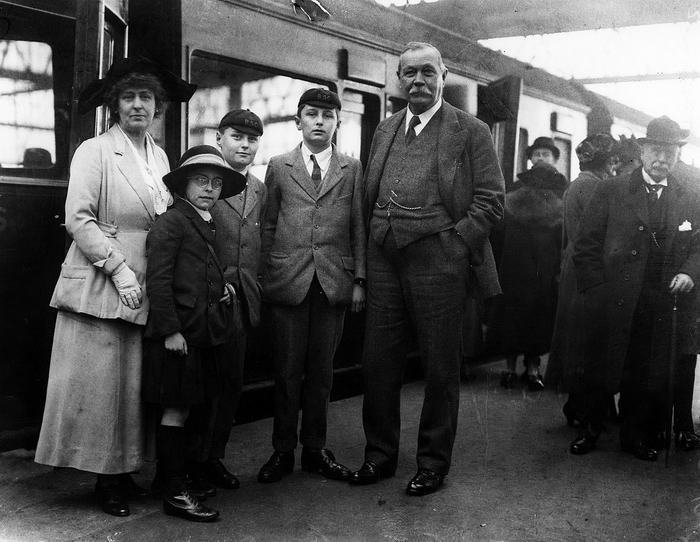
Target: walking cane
point(671, 375)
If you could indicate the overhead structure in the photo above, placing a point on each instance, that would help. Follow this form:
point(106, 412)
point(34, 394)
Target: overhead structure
point(477, 19)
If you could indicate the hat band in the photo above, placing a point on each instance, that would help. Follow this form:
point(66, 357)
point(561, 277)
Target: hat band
point(205, 159)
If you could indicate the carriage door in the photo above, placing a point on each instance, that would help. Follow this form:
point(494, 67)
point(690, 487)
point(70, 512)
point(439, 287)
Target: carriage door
point(44, 55)
point(498, 105)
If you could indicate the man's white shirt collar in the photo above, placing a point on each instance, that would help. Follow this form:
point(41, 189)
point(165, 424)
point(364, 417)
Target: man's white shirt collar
point(649, 180)
point(424, 117)
point(323, 158)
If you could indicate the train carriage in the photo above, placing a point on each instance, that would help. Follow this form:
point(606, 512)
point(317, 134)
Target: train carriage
point(259, 54)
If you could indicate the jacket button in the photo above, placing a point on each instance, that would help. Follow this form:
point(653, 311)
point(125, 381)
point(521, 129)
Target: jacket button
point(243, 222)
point(317, 206)
point(315, 247)
point(634, 253)
point(620, 303)
point(397, 181)
point(641, 228)
point(316, 226)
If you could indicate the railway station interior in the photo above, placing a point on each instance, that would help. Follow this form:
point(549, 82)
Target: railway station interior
point(528, 69)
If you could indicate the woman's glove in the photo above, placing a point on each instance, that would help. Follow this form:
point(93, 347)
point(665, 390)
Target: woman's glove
point(128, 287)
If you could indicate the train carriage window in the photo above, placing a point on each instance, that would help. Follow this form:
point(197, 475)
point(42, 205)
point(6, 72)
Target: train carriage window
point(36, 69)
point(224, 84)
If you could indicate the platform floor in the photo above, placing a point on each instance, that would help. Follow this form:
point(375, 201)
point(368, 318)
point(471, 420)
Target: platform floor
point(512, 479)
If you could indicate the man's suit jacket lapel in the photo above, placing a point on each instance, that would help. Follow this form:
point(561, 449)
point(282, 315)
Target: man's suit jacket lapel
point(244, 202)
point(300, 174)
point(675, 197)
point(451, 141)
point(638, 196)
point(334, 174)
point(126, 163)
point(383, 138)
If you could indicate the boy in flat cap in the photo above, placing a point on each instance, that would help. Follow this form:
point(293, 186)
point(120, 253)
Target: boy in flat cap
point(313, 266)
point(237, 243)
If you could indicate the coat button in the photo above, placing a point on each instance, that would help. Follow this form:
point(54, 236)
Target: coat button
point(316, 226)
point(634, 253)
point(397, 181)
point(620, 302)
point(641, 228)
point(317, 206)
point(315, 247)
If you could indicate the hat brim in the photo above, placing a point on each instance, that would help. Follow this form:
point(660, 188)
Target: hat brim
point(642, 140)
point(243, 129)
point(234, 182)
point(555, 150)
point(321, 105)
point(94, 93)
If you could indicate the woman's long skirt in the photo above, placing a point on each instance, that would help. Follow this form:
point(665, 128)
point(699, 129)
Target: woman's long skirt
point(93, 413)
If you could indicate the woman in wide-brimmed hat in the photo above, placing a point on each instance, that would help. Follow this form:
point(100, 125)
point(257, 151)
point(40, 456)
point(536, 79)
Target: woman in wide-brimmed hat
point(93, 415)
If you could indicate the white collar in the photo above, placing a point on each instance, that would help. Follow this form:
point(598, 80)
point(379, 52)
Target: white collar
point(424, 117)
point(323, 156)
point(206, 215)
point(649, 180)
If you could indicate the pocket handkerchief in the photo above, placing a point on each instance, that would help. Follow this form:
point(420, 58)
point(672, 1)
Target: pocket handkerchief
point(686, 226)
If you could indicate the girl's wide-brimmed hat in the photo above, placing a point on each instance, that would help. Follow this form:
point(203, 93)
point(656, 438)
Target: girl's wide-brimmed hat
point(93, 95)
point(664, 131)
point(543, 143)
point(204, 155)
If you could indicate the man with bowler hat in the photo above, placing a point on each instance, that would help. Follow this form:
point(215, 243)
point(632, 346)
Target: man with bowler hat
point(638, 251)
point(434, 190)
point(313, 267)
point(543, 151)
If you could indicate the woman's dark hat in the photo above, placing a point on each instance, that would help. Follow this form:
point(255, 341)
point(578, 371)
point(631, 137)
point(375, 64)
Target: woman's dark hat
point(204, 155)
point(543, 143)
point(664, 131)
point(597, 148)
point(93, 95)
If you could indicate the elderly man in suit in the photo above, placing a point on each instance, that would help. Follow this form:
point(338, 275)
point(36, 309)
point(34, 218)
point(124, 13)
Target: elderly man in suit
point(434, 190)
point(637, 251)
point(313, 254)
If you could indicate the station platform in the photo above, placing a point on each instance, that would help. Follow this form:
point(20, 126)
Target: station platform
point(512, 479)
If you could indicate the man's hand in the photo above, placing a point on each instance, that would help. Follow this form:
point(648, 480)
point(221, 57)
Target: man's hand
point(176, 343)
point(358, 298)
point(681, 284)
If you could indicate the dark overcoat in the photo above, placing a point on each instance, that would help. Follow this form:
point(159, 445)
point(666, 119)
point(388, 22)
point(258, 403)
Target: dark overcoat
point(610, 258)
point(238, 227)
point(185, 280)
point(568, 332)
point(470, 183)
point(530, 260)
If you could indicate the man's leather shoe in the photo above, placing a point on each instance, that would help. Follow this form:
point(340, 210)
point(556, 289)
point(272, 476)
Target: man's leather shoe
point(214, 472)
point(323, 462)
point(424, 482)
point(687, 440)
point(112, 500)
point(131, 488)
point(185, 505)
point(640, 451)
point(370, 473)
point(583, 444)
point(279, 465)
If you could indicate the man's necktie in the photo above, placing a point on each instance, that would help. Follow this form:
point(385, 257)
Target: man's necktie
point(411, 132)
point(316, 172)
point(654, 190)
